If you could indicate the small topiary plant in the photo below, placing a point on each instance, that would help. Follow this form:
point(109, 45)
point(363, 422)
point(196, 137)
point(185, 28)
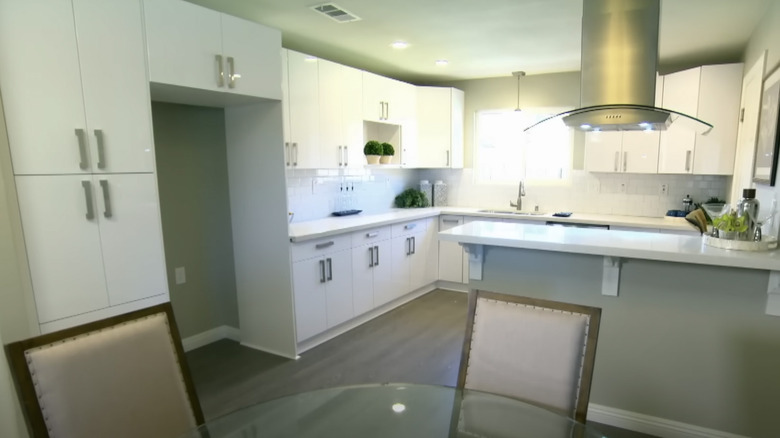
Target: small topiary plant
point(387, 149)
point(372, 147)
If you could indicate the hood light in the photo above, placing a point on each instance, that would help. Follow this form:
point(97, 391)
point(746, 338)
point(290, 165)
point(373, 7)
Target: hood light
point(585, 126)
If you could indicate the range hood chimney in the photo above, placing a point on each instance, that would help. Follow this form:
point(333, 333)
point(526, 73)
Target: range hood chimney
point(618, 70)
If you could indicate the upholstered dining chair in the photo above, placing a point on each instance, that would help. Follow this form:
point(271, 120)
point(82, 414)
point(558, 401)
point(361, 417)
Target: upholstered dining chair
point(531, 349)
point(125, 376)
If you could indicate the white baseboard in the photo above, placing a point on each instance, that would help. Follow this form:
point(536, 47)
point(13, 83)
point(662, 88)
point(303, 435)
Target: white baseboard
point(652, 425)
point(209, 336)
point(449, 285)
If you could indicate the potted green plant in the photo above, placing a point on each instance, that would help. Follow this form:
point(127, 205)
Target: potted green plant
point(373, 151)
point(387, 153)
point(729, 225)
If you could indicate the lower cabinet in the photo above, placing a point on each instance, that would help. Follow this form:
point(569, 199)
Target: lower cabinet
point(413, 259)
point(451, 254)
point(371, 269)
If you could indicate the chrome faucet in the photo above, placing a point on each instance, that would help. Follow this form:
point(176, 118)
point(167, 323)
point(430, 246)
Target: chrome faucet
point(520, 194)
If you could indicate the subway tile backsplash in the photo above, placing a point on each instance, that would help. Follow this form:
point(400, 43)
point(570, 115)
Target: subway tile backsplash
point(316, 193)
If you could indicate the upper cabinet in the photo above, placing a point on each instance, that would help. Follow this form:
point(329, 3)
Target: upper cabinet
point(440, 114)
point(710, 93)
point(301, 111)
point(74, 86)
point(622, 152)
point(341, 115)
point(387, 100)
point(198, 48)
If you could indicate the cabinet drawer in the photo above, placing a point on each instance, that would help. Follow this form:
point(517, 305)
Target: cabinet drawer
point(446, 222)
point(318, 247)
point(406, 228)
point(364, 237)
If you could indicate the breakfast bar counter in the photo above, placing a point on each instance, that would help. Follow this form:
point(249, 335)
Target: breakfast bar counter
point(690, 334)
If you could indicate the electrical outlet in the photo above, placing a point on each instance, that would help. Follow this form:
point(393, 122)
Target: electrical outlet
point(622, 188)
point(181, 276)
point(663, 190)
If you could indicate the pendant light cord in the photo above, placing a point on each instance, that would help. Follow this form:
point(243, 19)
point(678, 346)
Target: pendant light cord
point(518, 75)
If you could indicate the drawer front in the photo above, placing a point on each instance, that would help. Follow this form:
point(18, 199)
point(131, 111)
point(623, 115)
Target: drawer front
point(448, 221)
point(411, 227)
point(365, 237)
point(320, 247)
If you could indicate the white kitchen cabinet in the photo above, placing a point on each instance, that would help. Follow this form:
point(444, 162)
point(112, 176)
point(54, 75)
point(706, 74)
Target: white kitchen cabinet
point(92, 241)
point(425, 256)
point(440, 113)
point(198, 48)
point(341, 115)
point(387, 100)
point(712, 94)
point(413, 264)
point(75, 92)
point(302, 134)
point(622, 152)
point(322, 285)
point(371, 270)
point(451, 254)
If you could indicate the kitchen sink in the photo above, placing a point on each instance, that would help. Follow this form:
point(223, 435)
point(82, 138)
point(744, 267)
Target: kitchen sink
point(514, 212)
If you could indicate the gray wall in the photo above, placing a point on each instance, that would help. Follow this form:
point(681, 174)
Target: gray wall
point(195, 209)
point(682, 342)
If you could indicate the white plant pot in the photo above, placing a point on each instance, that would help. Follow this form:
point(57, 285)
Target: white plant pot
point(373, 159)
point(386, 159)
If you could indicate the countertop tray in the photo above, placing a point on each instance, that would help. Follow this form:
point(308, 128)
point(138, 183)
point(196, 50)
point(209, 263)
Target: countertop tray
point(345, 212)
point(769, 243)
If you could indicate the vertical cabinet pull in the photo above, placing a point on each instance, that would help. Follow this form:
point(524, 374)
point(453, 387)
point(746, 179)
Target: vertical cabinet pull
point(381, 110)
point(322, 271)
point(106, 199)
point(408, 246)
point(376, 254)
point(688, 161)
point(220, 71)
point(330, 269)
point(88, 197)
point(346, 156)
point(295, 154)
point(232, 76)
point(448, 159)
point(287, 152)
point(414, 245)
point(82, 149)
point(625, 161)
point(617, 158)
point(371, 257)
point(101, 164)
point(341, 155)
point(387, 110)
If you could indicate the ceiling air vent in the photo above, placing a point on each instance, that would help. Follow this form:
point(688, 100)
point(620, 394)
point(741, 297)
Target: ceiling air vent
point(336, 13)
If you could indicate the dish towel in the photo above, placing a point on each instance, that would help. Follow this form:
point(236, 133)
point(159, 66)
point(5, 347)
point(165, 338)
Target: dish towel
point(698, 220)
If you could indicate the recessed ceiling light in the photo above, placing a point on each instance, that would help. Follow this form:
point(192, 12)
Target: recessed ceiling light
point(400, 45)
point(441, 62)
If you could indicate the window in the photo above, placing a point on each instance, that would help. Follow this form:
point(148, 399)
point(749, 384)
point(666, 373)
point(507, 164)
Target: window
point(506, 154)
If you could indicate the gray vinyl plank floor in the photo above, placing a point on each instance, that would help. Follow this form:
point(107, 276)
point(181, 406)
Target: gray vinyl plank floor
point(419, 342)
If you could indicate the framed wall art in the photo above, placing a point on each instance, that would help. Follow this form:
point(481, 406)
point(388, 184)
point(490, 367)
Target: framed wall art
point(765, 164)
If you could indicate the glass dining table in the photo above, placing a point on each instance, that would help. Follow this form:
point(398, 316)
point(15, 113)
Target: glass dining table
point(393, 410)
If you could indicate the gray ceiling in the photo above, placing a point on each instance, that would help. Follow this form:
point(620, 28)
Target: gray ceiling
point(489, 38)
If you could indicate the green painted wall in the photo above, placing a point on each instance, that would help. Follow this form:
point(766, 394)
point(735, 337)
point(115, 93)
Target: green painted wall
point(195, 208)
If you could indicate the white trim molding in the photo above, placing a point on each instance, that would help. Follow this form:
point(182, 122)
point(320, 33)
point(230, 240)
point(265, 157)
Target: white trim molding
point(209, 336)
point(660, 427)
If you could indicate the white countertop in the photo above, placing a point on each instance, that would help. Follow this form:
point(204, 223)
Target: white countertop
point(629, 244)
point(301, 231)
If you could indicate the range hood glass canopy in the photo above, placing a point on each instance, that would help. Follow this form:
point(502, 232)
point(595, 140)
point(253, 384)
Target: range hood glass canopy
point(619, 62)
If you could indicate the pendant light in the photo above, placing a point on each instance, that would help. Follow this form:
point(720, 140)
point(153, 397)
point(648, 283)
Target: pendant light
point(518, 75)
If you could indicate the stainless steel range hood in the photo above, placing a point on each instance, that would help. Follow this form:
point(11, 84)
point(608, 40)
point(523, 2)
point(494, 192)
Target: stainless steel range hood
point(618, 70)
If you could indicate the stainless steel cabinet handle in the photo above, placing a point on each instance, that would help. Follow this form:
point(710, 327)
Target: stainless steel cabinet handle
point(322, 271)
point(448, 158)
point(232, 76)
point(381, 110)
point(451, 221)
point(625, 161)
point(617, 158)
point(688, 161)
point(409, 226)
point(88, 196)
point(101, 164)
point(287, 152)
point(295, 152)
point(387, 110)
point(106, 198)
point(370, 256)
point(341, 155)
point(330, 269)
point(376, 253)
point(414, 245)
point(82, 149)
point(324, 245)
point(220, 71)
point(369, 235)
point(408, 246)
point(346, 156)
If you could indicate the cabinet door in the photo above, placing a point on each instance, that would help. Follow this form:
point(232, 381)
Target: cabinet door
point(116, 91)
point(450, 253)
point(129, 218)
point(286, 111)
point(384, 287)
point(63, 245)
point(681, 93)
point(252, 51)
point(400, 252)
point(303, 102)
point(331, 115)
point(309, 279)
point(183, 40)
point(339, 287)
point(363, 278)
point(41, 86)
point(640, 151)
point(719, 103)
point(434, 106)
point(375, 91)
point(602, 151)
point(352, 116)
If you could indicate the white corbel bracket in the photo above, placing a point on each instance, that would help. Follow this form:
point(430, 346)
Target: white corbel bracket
point(476, 259)
point(773, 294)
point(610, 278)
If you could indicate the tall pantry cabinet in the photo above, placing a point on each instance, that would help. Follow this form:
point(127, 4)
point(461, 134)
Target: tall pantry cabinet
point(76, 101)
